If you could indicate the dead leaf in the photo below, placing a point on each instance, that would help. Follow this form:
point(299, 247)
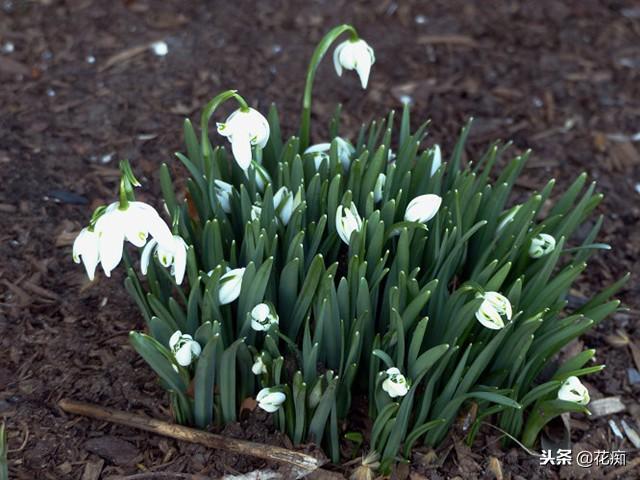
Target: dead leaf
point(635, 353)
point(495, 467)
point(606, 406)
point(92, 470)
point(249, 404)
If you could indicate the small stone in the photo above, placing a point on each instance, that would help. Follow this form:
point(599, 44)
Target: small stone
point(633, 375)
point(421, 19)
point(606, 406)
point(112, 449)
point(8, 47)
point(91, 59)
point(160, 48)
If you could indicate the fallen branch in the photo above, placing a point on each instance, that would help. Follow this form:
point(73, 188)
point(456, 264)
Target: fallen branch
point(300, 463)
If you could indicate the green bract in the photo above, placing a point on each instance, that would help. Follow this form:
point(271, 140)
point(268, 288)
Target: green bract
point(392, 313)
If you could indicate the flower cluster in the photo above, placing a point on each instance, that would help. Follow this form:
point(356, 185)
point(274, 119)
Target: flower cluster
point(362, 266)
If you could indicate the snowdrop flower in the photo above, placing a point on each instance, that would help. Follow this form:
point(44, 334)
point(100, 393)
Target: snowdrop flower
point(259, 367)
point(347, 222)
point(437, 159)
point(320, 152)
point(244, 129)
point(377, 189)
point(541, 245)
point(262, 317)
point(422, 208)
point(396, 385)
point(270, 400)
point(85, 249)
point(223, 191)
point(230, 285)
point(492, 309)
point(132, 223)
point(173, 254)
point(354, 55)
point(572, 390)
point(284, 203)
point(184, 348)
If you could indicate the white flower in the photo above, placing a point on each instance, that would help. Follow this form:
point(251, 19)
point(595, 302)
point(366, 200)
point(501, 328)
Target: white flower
point(354, 55)
point(437, 159)
point(320, 152)
point(284, 203)
point(492, 309)
point(223, 191)
point(347, 221)
point(85, 247)
point(423, 208)
point(377, 189)
point(133, 223)
point(184, 348)
point(262, 317)
point(396, 385)
point(173, 254)
point(572, 390)
point(244, 129)
point(270, 400)
point(259, 367)
point(230, 285)
point(541, 245)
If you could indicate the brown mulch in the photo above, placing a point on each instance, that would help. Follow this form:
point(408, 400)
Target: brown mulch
point(80, 89)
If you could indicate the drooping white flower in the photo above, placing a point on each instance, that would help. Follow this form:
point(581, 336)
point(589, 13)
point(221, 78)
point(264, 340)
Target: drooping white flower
point(133, 223)
point(244, 129)
point(172, 255)
point(263, 316)
point(396, 385)
point(572, 390)
point(285, 202)
point(259, 367)
point(347, 222)
point(437, 159)
point(184, 348)
point(378, 188)
point(223, 191)
point(86, 249)
point(354, 55)
point(492, 309)
point(230, 286)
point(422, 208)
point(270, 400)
point(541, 245)
point(320, 152)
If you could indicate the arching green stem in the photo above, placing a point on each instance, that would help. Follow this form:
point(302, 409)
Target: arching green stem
point(127, 181)
point(207, 113)
point(316, 58)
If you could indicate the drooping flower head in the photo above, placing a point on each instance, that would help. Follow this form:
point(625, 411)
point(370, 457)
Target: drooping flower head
point(423, 208)
point(270, 399)
point(347, 222)
point(494, 307)
point(263, 316)
point(285, 202)
point(396, 385)
point(173, 254)
point(259, 367)
point(541, 245)
point(223, 192)
point(184, 348)
point(230, 286)
point(354, 55)
point(379, 186)
point(244, 129)
point(572, 390)
point(320, 152)
point(133, 223)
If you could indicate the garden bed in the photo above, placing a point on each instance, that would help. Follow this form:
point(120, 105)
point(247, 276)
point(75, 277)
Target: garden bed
point(80, 91)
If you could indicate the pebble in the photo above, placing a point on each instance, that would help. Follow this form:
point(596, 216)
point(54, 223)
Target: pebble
point(8, 47)
point(160, 48)
point(633, 375)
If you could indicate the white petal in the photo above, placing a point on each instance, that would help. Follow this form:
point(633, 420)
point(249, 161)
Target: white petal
point(336, 58)
point(180, 260)
point(146, 256)
point(183, 355)
point(489, 317)
point(437, 159)
point(195, 349)
point(174, 339)
point(423, 208)
point(363, 67)
point(241, 148)
point(110, 246)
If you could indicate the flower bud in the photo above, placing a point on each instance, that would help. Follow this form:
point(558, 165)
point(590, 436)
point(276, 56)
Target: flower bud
point(541, 245)
point(396, 385)
point(230, 286)
point(354, 55)
point(423, 208)
point(572, 390)
point(270, 400)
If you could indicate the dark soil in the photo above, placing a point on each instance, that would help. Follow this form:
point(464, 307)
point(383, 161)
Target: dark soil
point(562, 78)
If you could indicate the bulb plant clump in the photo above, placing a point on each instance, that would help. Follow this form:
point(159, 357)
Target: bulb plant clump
point(303, 276)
